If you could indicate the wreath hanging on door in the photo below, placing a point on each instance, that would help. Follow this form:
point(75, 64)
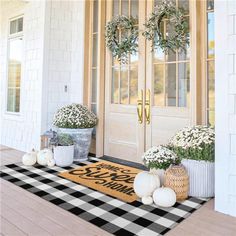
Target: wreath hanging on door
point(154, 32)
point(121, 37)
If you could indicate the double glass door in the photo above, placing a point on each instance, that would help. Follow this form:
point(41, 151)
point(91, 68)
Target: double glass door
point(148, 99)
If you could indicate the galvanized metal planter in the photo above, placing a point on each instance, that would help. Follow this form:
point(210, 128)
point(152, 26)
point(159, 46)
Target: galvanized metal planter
point(82, 139)
point(201, 177)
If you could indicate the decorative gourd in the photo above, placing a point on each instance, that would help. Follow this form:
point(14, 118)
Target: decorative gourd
point(51, 163)
point(145, 183)
point(164, 197)
point(147, 200)
point(29, 159)
point(44, 156)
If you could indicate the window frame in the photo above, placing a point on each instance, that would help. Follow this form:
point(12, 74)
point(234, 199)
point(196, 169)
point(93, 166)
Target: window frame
point(10, 37)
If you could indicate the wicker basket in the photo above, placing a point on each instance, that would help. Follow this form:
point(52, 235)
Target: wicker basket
point(176, 177)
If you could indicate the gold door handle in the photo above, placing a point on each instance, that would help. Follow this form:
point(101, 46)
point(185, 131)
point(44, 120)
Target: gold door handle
point(140, 106)
point(147, 106)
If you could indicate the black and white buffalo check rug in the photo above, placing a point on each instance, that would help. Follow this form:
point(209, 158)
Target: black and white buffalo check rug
point(113, 215)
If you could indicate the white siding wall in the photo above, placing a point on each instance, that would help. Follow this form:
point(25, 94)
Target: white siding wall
point(53, 51)
point(225, 34)
point(23, 131)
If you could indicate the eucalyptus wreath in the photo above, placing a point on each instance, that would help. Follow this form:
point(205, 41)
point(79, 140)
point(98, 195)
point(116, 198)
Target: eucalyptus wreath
point(179, 39)
point(121, 45)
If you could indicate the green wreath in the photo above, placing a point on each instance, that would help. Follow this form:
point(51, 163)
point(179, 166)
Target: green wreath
point(127, 43)
point(180, 37)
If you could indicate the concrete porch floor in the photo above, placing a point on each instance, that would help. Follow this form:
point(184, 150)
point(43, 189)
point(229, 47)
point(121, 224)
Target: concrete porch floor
point(23, 213)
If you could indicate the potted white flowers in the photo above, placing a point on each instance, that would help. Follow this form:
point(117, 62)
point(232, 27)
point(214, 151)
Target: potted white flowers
point(78, 121)
point(196, 147)
point(63, 150)
point(158, 159)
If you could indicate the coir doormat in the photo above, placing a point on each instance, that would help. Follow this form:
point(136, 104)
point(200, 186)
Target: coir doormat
point(110, 178)
point(108, 213)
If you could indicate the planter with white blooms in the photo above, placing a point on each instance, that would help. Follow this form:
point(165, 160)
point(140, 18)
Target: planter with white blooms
point(63, 150)
point(196, 147)
point(158, 159)
point(77, 121)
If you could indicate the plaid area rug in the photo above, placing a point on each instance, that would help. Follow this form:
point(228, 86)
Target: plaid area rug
point(106, 212)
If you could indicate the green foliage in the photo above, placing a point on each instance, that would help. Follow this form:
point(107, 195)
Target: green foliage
point(196, 143)
point(64, 140)
point(153, 32)
point(74, 116)
point(126, 43)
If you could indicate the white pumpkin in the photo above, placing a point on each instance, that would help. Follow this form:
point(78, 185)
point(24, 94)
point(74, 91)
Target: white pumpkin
point(44, 156)
point(164, 197)
point(145, 183)
point(51, 163)
point(147, 200)
point(29, 159)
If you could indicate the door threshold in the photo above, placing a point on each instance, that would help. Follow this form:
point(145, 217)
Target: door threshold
point(124, 162)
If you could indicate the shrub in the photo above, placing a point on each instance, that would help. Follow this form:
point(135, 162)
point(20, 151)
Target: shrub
point(74, 116)
point(159, 157)
point(197, 143)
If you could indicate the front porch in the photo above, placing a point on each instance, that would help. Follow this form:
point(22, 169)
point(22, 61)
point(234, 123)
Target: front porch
point(21, 211)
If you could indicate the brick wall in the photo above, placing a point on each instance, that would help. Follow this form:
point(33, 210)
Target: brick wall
point(225, 34)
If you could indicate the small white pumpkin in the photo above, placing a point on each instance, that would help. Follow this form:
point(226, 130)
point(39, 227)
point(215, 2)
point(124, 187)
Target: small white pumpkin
point(145, 183)
point(147, 200)
point(51, 163)
point(29, 159)
point(164, 197)
point(44, 156)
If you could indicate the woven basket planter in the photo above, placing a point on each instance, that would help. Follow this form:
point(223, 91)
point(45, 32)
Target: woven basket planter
point(201, 177)
point(176, 177)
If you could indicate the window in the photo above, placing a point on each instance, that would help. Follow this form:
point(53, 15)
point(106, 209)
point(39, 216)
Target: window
point(15, 50)
point(172, 70)
point(210, 63)
point(124, 84)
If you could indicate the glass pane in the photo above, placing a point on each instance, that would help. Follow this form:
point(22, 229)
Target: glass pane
point(115, 85)
point(115, 7)
point(211, 85)
point(157, 2)
point(125, 7)
point(159, 98)
point(210, 35)
point(94, 108)
point(94, 85)
point(14, 74)
point(171, 56)
point(184, 4)
point(20, 24)
point(210, 4)
point(159, 56)
point(13, 100)
point(133, 86)
point(185, 55)
point(171, 84)
point(13, 27)
point(124, 99)
point(95, 49)
point(95, 16)
point(183, 80)
point(134, 8)
point(211, 118)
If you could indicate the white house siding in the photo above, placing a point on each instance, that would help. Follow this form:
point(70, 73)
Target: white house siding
point(53, 59)
point(225, 44)
point(23, 131)
point(65, 63)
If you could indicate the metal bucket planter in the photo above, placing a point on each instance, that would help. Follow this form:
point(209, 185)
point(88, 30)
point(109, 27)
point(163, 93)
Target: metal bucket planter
point(201, 177)
point(82, 141)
